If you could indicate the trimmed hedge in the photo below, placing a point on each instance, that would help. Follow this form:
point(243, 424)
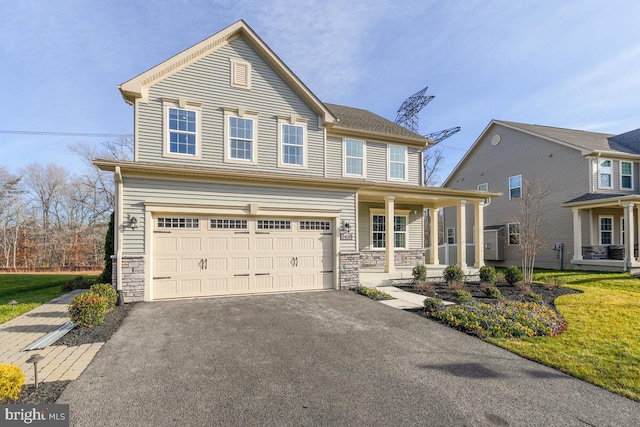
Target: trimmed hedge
point(88, 309)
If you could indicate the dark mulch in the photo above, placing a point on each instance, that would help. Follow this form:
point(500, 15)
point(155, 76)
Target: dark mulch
point(510, 292)
point(50, 391)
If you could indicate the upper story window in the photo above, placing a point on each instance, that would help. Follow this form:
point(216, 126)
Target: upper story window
point(240, 136)
point(182, 129)
point(604, 172)
point(397, 168)
point(484, 187)
point(240, 74)
point(293, 147)
point(515, 187)
point(354, 157)
point(626, 175)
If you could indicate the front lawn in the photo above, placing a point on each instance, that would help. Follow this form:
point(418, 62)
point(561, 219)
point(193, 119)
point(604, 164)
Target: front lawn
point(602, 342)
point(29, 290)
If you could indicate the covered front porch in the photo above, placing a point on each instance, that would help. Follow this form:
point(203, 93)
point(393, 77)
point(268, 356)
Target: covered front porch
point(386, 252)
point(605, 232)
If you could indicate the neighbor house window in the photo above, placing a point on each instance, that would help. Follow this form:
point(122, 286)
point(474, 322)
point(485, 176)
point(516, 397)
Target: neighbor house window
point(354, 161)
point(397, 167)
point(606, 230)
point(515, 187)
point(604, 171)
point(379, 231)
point(514, 233)
point(292, 145)
point(240, 136)
point(451, 236)
point(626, 175)
point(182, 131)
point(484, 187)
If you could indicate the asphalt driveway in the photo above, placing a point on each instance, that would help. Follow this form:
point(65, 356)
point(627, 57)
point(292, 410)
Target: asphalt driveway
point(321, 358)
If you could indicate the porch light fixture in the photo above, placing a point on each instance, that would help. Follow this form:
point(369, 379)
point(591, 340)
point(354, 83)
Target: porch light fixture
point(345, 226)
point(133, 223)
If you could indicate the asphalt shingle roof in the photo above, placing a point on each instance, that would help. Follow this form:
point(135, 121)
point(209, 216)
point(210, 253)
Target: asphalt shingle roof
point(595, 196)
point(363, 120)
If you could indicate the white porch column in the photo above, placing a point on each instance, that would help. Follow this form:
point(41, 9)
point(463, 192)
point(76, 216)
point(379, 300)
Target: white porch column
point(462, 234)
point(478, 237)
point(433, 259)
point(577, 234)
point(629, 225)
point(389, 263)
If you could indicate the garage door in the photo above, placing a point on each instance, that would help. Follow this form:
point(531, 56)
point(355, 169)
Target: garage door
point(208, 256)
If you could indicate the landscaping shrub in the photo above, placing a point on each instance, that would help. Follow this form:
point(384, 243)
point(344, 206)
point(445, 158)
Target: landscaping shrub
point(500, 277)
point(453, 273)
point(107, 291)
point(533, 297)
point(433, 304)
point(513, 275)
point(88, 309)
point(372, 293)
point(78, 282)
point(553, 282)
point(488, 274)
point(420, 273)
point(525, 288)
point(462, 296)
point(493, 292)
point(503, 320)
point(11, 382)
point(109, 250)
point(424, 286)
point(455, 286)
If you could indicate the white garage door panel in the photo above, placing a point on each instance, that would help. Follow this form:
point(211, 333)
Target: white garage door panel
point(242, 258)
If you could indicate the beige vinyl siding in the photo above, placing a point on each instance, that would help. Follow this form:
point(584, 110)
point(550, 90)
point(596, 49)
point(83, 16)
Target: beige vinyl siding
point(334, 156)
point(617, 214)
point(207, 81)
point(414, 165)
point(376, 161)
point(138, 190)
point(414, 226)
point(615, 178)
point(566, 170)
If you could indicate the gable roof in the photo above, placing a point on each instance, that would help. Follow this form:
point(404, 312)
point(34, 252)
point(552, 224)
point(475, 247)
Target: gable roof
point(356, 120)
point(138, 86)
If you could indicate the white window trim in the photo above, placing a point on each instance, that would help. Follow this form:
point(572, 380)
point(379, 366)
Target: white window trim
point(600, 217)
point(406, 163)
point(509, 234)
point(600, 161)
point(181, 104)
point(292, 121)
point(244, 114)
point(344, 158)
point(487, 200)
point(631, 175)
point(622, 230)
point(397, 212)
point(510, 188)
point(453, 235)
point(235, 63)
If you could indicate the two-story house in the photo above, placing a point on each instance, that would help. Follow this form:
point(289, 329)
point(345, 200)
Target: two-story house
point(592, 217)
point(243, 181)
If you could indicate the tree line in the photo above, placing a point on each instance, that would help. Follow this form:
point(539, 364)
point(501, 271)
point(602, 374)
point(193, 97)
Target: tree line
point(54, 218)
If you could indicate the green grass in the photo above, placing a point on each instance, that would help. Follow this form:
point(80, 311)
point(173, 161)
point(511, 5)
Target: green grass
point(29, 290)
point(602, 343)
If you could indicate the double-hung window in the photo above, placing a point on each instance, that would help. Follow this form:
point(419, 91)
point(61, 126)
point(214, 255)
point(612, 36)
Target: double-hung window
point(515, 187)
point(292, 145)
point(626, 175)
point(513, 230)
point(606, 230)
point(354, 157)
point(484, 187)
point(181, 134)
point(241, 136)
point(604, 172)
point(451, 236)
point(397, 167)
point(379, 231)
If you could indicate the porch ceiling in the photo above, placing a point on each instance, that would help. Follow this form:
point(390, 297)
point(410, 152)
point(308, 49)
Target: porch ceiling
point(435, 197)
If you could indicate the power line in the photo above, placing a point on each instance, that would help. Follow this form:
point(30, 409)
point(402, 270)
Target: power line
point(39, 133)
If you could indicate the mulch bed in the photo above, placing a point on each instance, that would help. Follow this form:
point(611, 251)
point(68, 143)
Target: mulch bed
point(49, 392)
point(510, 292)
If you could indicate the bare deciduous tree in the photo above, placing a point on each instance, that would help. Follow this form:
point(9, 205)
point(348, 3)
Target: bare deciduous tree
point(532, 209)
point(433, 158)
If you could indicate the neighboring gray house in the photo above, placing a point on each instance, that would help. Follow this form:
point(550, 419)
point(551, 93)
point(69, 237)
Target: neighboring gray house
point(243, 181)
point(594, 194)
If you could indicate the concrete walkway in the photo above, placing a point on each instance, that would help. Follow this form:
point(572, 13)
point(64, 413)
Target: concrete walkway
point(60, 362)
point(404, 300)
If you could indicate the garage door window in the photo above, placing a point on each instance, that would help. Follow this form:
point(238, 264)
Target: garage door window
point(273, 224)
point(228, 224)
point(178, 223)
point(315, 225)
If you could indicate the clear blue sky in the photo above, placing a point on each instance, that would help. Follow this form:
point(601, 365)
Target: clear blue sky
point(572, 64)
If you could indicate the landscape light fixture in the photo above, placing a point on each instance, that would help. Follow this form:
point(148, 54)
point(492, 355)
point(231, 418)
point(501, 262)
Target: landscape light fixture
point(12, 303)
point(35, 359)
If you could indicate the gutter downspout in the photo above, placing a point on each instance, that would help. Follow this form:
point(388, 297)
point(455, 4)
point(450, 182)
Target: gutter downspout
point(119, 237)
